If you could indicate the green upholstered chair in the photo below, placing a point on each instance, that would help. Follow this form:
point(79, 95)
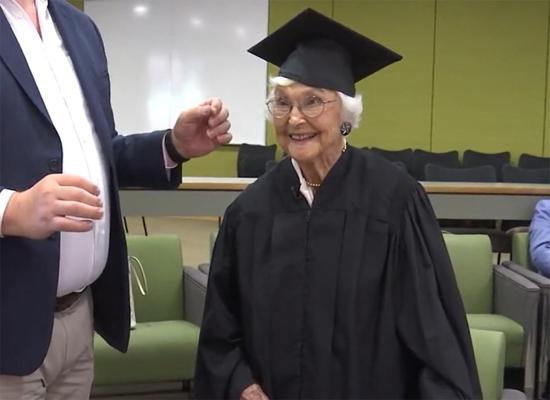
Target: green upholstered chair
point(205, 267)
point(497, 299)
point(163, 345)
point(520, 250)
point(490, 352)
point(195, 286)
point(195, 283)
point(521, 264)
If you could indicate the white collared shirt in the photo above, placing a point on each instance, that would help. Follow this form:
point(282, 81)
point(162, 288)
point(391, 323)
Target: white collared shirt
point(82, 255)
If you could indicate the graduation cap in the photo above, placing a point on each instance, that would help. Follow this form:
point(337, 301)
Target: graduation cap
point(317, 51)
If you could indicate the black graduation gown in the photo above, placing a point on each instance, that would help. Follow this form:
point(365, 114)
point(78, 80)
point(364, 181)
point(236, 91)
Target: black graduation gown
point(353, 297)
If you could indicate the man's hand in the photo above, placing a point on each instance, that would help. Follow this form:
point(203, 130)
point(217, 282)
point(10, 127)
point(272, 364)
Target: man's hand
point(201, 129)
point(254, 392)
point(53, 204)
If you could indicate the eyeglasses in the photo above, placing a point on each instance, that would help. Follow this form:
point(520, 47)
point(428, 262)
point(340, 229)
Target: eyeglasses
point(311, 106)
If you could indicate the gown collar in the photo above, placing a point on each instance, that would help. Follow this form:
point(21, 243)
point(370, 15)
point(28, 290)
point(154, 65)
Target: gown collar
point(332, 187)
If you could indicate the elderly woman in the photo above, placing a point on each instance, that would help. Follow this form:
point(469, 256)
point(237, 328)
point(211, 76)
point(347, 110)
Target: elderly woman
point(330, 278)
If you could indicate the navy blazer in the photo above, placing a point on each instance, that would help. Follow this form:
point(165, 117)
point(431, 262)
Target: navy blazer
point(30, 149)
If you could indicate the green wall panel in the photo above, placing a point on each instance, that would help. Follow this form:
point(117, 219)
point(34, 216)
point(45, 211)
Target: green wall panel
point(490, 74)
point(221, 162)
point(396, 100)
point(77, 3)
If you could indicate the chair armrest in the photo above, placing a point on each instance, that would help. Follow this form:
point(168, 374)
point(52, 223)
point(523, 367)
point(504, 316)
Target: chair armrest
point(542, 281)
point(204, 267)
point(517, 298)
point(544, 318)
point(544, 308)
point(513, 394)
point(194, 282)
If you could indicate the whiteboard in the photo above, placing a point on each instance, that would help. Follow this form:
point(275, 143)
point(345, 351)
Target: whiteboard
point(168, 55)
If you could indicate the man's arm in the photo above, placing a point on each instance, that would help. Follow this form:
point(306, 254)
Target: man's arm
point(201, 129)
point(141, 159)
point(539, 237)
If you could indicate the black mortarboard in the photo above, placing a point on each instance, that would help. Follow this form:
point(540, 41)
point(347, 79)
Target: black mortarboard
point(317, 51)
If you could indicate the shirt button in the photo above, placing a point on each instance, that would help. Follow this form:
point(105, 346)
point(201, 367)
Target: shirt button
point(54, 164)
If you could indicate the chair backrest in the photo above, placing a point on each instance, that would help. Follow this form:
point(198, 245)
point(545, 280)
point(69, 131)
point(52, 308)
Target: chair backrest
point(422, 157)
point(404, 156)
point(489, 351)
point(472, 158)
point(484, 173)
point(472, 261)
point(520, 250)
point(401, 165)
point(252, 159)
point(161, 258)
point(534, 162)
point(525, 175)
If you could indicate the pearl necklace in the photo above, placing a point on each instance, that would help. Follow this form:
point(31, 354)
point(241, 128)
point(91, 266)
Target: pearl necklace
point(317, 185)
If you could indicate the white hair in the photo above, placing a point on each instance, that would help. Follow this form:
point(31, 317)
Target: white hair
point(352, 107)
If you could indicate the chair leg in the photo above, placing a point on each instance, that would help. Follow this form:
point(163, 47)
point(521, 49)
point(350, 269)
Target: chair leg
point(144, 226)
point(125, 224)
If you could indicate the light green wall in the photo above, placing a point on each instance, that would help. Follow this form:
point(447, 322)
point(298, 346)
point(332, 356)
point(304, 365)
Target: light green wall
point(77, 3)
point(475, 74)
point(396, 100)
point(222, 162)
point(490, 75)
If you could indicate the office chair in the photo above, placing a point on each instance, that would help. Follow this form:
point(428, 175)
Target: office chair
point(483, 173)
point(252, 159)
point(422, 157)
point(530, 161)
point(405, 156)
point(472, 158)
point(525, 175)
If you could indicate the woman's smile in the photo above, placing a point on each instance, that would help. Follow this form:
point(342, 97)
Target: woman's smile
point(301, 137)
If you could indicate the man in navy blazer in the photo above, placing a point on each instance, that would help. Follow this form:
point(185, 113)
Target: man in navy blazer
point(50, 214)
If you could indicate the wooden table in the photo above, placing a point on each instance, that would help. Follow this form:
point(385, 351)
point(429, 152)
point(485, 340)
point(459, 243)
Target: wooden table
point(202, 196)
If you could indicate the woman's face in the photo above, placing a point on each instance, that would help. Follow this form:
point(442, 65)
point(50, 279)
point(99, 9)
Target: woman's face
point(308, 138)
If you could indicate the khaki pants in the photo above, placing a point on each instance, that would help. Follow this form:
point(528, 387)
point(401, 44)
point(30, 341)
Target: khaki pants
point(68, 369)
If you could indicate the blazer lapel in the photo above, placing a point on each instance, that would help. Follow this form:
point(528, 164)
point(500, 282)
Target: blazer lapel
point(14, 59)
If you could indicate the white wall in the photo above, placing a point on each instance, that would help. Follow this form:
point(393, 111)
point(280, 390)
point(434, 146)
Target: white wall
point(168, 55)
